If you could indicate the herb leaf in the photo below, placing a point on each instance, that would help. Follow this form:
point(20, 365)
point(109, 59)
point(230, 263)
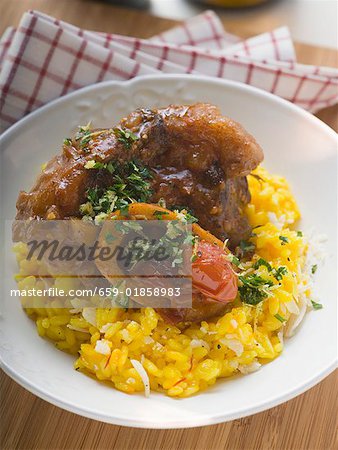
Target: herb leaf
point(83, 135)
point(280, 272)
point(262, 262)
point(284, 240)
point(277, 273)
point(247, 246)
point(92, 164)
point(159, 214)
point(180, 208)
point(254, 280)
point(250, 295)
point(190, 218)
point(316, 305)
point(109, 238)
point(280, 318)
point(235, 261)
point(125, 136)
point(130, 183)
point(188, 213)
point(253, 289)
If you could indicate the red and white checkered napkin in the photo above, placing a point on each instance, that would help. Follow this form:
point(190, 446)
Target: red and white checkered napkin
point(45, 58)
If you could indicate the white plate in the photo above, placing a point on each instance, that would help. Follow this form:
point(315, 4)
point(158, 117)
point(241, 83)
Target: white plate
point(296, 145)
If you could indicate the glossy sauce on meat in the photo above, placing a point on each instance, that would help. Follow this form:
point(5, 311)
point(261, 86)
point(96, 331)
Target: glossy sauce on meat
point(199, 160)
point(217, 204)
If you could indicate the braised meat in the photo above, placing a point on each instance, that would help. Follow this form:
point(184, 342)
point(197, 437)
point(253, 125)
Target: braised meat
point(199, 159)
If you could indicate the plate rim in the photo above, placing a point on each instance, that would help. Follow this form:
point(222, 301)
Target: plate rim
point(203, 78)
point(214, 420)
point(202, 421)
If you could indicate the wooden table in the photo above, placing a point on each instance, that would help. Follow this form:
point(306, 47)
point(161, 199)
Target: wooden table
point(308, 422)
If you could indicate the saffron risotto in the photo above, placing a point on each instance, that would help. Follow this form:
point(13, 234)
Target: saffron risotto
point(137, 351)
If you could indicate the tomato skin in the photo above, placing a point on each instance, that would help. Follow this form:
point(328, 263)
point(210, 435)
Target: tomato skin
point(212, 273)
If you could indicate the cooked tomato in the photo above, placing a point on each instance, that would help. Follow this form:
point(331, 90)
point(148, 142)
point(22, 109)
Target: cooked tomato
point(212, 273)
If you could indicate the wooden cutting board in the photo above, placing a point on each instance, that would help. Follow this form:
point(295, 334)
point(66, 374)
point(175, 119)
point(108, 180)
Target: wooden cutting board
point(307, 422)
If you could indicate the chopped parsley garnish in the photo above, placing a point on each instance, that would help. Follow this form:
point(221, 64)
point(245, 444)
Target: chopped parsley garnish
point(125, 227)
point(125, 136)
point(277, 273)
point(253, 289)
point(251, 296)
point(280, 318)
point(82, 131)
point(314, 269)
point(316, 305)
point(232, 258)
point(110, 238)
point(247, 246)
point(194, 257)
point(93, 195)
point(190, 239)
point(262, 262)
point(299, 234)
point(159, 214)
point(110, 166)
point(83, 136)
point(254, 280)
point(284, 240)
point(190, 218)
point(188, 213)
point(124, 210)
point(130, 183)
point(280, 272)
point(180, 208)
point(235, 261)
point(195, 251)
point(85, 140)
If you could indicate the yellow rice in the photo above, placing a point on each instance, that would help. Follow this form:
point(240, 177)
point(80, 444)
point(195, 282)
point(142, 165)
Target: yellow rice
point(181, 360)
